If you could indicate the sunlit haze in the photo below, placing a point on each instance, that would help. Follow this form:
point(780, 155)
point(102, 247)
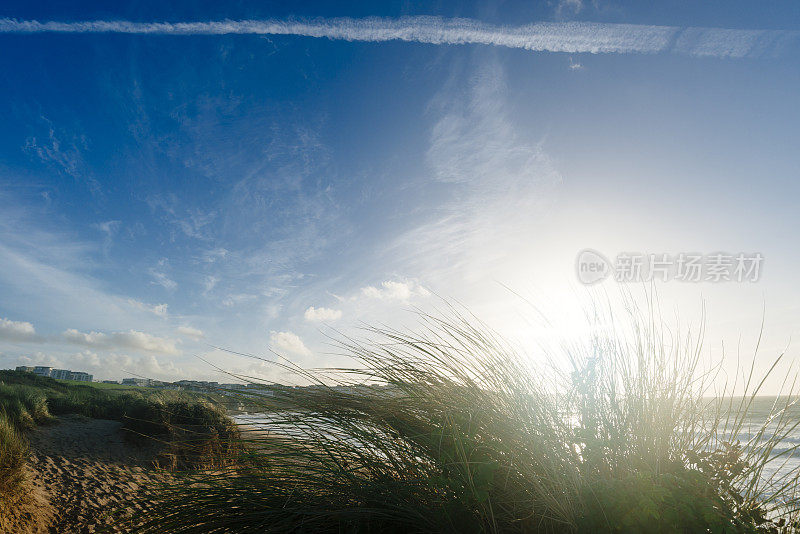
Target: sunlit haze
point(282, 173)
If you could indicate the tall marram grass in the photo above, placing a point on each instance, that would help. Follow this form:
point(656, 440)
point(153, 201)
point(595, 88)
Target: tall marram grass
point(14, 484)
point(450, 430)
point(21, 409)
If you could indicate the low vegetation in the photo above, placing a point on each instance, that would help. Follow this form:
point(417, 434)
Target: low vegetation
point(13, 455)
point(193, 426)
point(194, 430)
point(452, 431)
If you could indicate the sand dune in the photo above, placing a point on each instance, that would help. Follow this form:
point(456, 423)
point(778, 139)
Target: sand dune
point(87, 477)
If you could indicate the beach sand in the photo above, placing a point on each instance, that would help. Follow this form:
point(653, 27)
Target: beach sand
point(87, 477)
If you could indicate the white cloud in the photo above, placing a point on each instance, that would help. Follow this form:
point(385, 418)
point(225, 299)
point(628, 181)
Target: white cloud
point(92, 339)
point(108, 227)
point(160, 278)
point(322, 314)
point(157, 309)
point(503, 183)
point(16, 330)
point(151, 367)
point(212, 255)
point(131, 339)
point(288, 342)
point(569, 7)
point(395, 290)
point(233, 300)
point(40, 358)
point(87, 358)
point(573, 37)
point(116, 366)
point(49, 271)
point(209, 281)
point(191, 332)
point(475, 142)
point(61, 151)
point(194, 223)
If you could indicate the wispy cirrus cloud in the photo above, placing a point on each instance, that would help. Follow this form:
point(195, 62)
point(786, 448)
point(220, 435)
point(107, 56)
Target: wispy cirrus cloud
point(160, 277)
point(568, 7)
point(61, 150)
point(190, 331)
point(572, 37)
point(156, 309)
point(500, 182)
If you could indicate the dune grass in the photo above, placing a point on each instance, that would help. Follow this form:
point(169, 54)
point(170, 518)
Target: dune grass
point(21, 409)
point(194, 428)
point(451, 430)
point(100, 385)
point(14, 485)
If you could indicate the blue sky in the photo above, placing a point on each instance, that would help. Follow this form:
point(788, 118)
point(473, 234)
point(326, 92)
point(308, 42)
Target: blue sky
point(164, 193)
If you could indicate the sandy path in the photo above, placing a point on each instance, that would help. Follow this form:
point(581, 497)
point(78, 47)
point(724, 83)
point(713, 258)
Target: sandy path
point(89, 476)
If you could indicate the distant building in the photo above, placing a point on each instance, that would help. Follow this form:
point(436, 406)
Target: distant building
point(61, 374)
point(136, 382)
point(197, 385)
point(166, 385)
point(162, 385)
point(110, 382)
point(232, 386)
point(58, 374)
point(42, 370)
point(80, 376)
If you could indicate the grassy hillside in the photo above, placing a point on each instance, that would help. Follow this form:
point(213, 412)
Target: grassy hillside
point(100, 385)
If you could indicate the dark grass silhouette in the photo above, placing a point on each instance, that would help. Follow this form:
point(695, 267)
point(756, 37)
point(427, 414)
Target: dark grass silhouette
point(451, 430)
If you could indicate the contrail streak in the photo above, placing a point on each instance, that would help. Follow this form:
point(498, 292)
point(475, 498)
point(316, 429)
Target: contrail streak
point(573, 37)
